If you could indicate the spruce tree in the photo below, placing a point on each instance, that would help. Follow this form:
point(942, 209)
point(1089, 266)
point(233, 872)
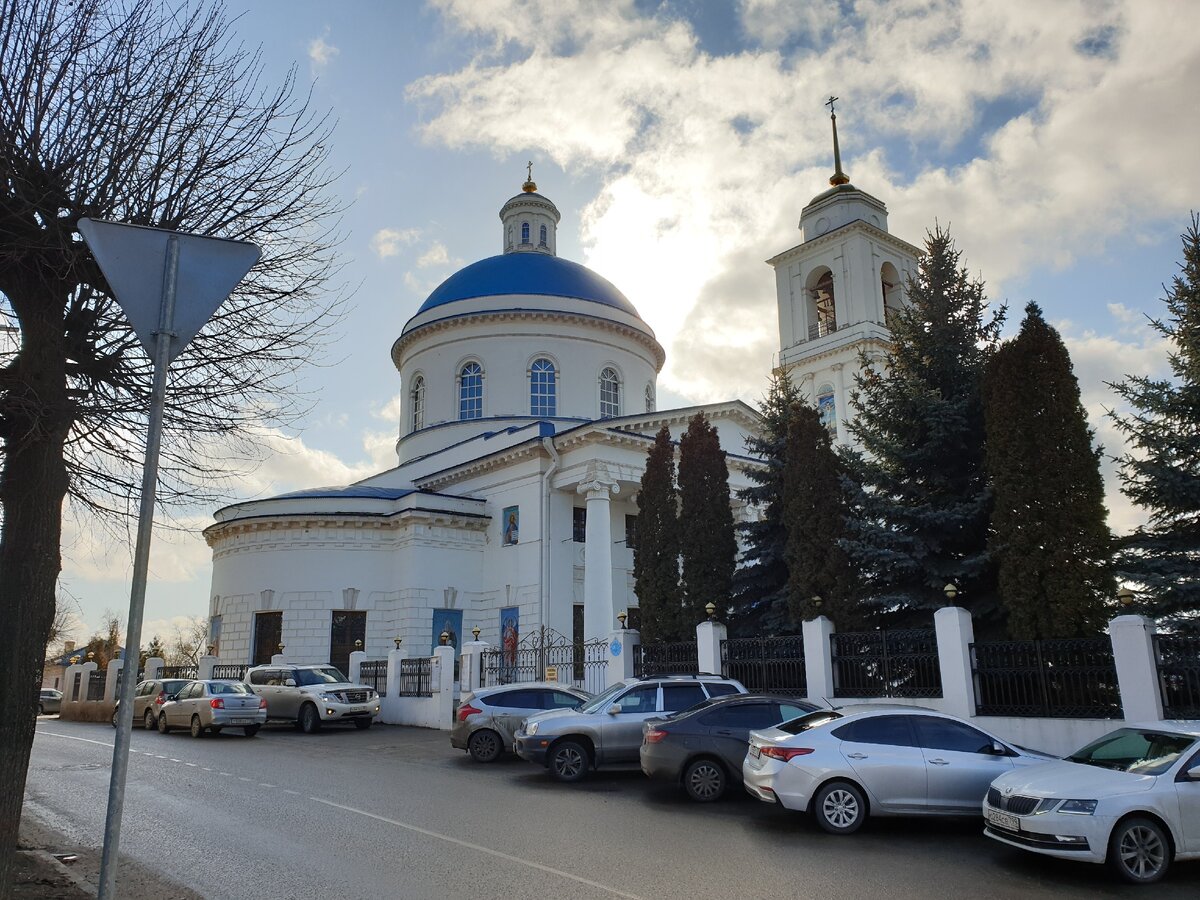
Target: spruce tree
point(814, 520)
point(1049, 539)
point(706, 538)
point(760, 583)
point(656, 546)
point(1162, 472)
point(918, 492)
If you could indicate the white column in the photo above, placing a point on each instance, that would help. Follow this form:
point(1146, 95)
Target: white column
point(841, 404)
point(110, 685)
point(154, 667)
point(621, 642)
point(818, 658)
point(1137, 674)
point(708, 646)
point(955, 634)
point(356, 658)
point(442, 682)
point(470, 666)
point(599, 615)
point(204, 666)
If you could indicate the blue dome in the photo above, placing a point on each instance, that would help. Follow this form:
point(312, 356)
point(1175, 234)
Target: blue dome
point(527, 273)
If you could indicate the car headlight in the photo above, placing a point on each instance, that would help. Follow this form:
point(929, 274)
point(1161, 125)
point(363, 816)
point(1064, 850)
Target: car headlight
point(1078, 807)
point(329, 698)
point(531, 728)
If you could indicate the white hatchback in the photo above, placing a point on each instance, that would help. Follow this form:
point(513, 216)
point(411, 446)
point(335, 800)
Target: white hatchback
point(1130, 798)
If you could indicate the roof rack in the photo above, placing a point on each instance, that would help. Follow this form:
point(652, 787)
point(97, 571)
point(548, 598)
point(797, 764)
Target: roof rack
point(681, 675)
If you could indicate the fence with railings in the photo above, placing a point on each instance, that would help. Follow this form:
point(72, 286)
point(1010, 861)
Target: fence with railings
point(886, 664)
point(188, 672)
point(581, 664)
point(230, 671)
point(1074, 678)
point(95, 685)
point(373, 673)
point(666, 658)
point(1177, 662)
point(768, 664)
point(416, 677)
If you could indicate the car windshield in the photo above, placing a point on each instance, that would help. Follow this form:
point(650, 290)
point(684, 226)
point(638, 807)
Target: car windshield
point(812, 720)
point(174, 687)
point(604, 700)
point(1135, 750)
point(227, 687)
point(323, 675)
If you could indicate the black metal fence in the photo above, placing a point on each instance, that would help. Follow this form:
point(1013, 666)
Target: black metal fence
point(230, 671)
point(666, 658)
point(581, 664)
point(772, 665)
point(75, 686)
point(1073, 678)
point(1177, 658)
point(121, 675)
point(190, 672)
point(373, 673)
point(886, 664)
point(95, 685)
point(416, 677)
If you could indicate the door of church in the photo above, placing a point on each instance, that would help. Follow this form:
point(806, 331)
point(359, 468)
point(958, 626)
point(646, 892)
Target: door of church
point(345, 628)
point(268, 634)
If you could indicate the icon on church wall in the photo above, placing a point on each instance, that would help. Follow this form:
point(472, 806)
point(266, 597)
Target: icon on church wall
point(512, 522)
point(510, 635)
point(827, 410)
point(449, 621)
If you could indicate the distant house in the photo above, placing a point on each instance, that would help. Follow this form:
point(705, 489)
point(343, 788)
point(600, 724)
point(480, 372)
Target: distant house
point(55, 668)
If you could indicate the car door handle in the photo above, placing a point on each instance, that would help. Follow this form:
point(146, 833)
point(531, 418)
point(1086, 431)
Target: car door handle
point(939, 762)
point(856, 756)
point(725, 732)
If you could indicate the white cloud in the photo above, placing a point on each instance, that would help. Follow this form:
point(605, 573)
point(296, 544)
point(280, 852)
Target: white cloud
point(436, 255)
point(320, 52)
point(388, 241)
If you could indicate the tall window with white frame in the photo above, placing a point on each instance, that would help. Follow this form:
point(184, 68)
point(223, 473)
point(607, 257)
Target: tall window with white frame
point(470, 391)
point(610, 394)
point(542, 236)
point(650, 405)
point(524, 232)
point(417, 403)
point(542, 398)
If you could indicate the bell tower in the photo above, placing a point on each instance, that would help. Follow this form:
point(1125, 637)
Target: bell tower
point(836, 291)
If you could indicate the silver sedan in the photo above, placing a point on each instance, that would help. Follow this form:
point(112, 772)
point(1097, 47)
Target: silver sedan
point(202, 706)
point(843, 765)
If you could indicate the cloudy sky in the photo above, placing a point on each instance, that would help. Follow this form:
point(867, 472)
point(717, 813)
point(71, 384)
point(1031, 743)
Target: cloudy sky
point(680, 141)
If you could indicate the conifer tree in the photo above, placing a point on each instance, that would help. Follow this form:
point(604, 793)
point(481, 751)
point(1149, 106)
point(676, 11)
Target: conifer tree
point(918, 493)
point(1049, 536)
point(1162, 472)
point(706, 539)
point(814, 520)
point(656, 546)
point(760, 583)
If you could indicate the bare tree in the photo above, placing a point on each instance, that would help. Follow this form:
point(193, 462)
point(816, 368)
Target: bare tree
point(188, 643)
point(140, 113)
point(64, 624)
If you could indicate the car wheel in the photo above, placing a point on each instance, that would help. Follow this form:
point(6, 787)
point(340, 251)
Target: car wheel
point(484, 745)
point(197, 727)
point(568, 761)
point(163, 727)
point(41, 710)
point(1139, 851)
point(251, 730)
point(362, 724)
point(148, 720)
point(114, 718)
point(840, 808)
point(704, 780)
point(310, 719)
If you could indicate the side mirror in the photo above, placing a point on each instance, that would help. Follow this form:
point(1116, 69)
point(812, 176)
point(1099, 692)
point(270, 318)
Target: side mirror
point(998, 749)
point(291, 682)
point(614, 709)
point(1193, 773)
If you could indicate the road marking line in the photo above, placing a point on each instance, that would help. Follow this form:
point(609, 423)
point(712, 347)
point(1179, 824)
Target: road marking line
point(293, 793)
point(193, 765)
point(264, 784)
point(71, 737)
point(480, 849)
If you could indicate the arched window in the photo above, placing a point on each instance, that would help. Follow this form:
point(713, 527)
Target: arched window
point(524, 232)
point(417, 403)
point(470, 391)
point(893, 298)
point(822, 308)
point(649, 398)
point(610, 394)
point(542, 400)
point(827, 409)
point(542, 236)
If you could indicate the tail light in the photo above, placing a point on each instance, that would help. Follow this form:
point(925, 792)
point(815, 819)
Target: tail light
point(786, 753)
point(216, 703)
point(262, 702)
point(654, 735)
point(161, 698)
point(467, 710)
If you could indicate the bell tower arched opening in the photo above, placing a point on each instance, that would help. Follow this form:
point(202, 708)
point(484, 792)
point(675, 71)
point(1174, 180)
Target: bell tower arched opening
point(821, 305)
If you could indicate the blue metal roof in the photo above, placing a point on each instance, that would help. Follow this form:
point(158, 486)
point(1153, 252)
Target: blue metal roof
point(527, 273)
point(354, 490)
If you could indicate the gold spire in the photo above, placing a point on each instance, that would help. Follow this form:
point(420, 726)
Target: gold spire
point(838, 176)
point(529, 187)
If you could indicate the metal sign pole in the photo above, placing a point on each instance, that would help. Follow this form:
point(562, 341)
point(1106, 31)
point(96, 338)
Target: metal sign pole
point(141, 565)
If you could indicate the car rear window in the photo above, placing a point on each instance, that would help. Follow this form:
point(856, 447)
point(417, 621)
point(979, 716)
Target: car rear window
point(720, 688)
point(812, 720)
point(681, 696)
point(232, 687)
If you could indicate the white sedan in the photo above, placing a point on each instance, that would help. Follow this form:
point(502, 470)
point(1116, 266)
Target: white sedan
point(1130, 798)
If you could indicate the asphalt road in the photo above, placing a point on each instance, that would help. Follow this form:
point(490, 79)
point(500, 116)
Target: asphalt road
point(395, 812)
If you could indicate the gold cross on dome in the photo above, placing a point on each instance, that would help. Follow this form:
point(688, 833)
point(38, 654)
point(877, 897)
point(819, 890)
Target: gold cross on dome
point(529, 171)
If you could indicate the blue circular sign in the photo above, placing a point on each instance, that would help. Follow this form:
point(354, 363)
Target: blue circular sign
point(615, 647)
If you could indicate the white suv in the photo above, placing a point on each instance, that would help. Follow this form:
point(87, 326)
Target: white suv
point(312, 695)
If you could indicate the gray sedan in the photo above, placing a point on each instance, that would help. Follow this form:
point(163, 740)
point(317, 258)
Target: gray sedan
point(49, 701)
point(212, 705)
point(486, 720)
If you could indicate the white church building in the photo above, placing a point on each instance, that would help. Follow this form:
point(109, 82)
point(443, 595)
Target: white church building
point(529, 387)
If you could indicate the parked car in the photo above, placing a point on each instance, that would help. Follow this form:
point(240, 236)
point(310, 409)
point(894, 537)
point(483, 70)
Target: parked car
point(486, 719)
point(846, 764)
point(607, 730)
point(1130, 798)
point(49, 701)
point(148, 698)
point(702, 748)
point(212, 705)
point(312, 696)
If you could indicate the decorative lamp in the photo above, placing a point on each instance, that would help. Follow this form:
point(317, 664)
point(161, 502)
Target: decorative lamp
point(397, 640)
point(358, 645)
point(711, 609)
point(475, 632)
point(951, 591)
point(444, 638)
point(1126, 595)
point(621, 617)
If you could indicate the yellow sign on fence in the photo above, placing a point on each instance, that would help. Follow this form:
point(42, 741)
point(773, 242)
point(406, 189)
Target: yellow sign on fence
point(552, 673)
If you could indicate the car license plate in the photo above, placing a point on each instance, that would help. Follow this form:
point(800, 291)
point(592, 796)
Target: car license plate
point(358, 709)
point(1003, 820)
point(755, 751)
point(242, 721)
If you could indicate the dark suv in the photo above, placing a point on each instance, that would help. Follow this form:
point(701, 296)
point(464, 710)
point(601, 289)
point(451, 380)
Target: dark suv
point(607, 730)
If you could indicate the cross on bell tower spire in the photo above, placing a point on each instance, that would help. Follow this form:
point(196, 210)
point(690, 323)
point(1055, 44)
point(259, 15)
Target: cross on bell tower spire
point(838, 176)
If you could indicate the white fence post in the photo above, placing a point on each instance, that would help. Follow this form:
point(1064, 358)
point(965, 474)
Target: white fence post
point(619, 665)
point(110, 684)
point(955, 633)
point(442, 683)
point(709, 635)
point(1137, 673)
point(204, 667)
point(470, 666)
point(818, 660)
point(354, 675)
point(154, 667)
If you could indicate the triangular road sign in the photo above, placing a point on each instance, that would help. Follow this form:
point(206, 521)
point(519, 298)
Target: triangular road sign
point(134, 258)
